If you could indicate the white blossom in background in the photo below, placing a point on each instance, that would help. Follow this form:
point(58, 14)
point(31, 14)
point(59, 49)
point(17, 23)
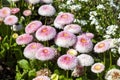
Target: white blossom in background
point(98, 27)
point(119, 50)
point(119, 16)
point(107, 36)
point(82, 22)
point(70, 2)
point(84, 0)
point(75, 7)
point(100, 6)
point(114, 43)
point(114, 50)
point(62, 6)
point(111, 30)
point(112, 4)
point(94, 13)
point(94, 22)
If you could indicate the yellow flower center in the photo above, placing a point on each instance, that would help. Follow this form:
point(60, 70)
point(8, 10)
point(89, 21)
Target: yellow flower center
point(45, 51)
point(83, 40)
point(33, 46)
point(97, 67)
point(67, 58)
point(44, 30)
point(4, 12)
point(64, 16)
point(101, 45)
point(65, 34)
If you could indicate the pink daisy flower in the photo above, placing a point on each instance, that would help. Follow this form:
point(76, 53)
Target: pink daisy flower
point(15, 10)
point(41, 78)
point(31, 49)
point(47, 1)
point(65, 39)
point(11, 20)
point(45, 33)
point(83, 44)
point(33, 26)
point(59, 26)
point(27, 12)
point(4, 12)
point(73, 28)
point(72, 52)
point(97, 68)
point(85, 60)
point(24, 39)
point(64, 18)
point(33, 1)
point(102, 46)
point(46, 10)
point(90, 35)
point(118, 61)
point(45, 53)
point(67, 62)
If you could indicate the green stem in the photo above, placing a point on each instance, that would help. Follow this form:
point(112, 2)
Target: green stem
point(99, 76)
point(67, 74)
point(110, 59)
point(45, 20)
point(85, 70)
point(104, 58)
point(1, 4)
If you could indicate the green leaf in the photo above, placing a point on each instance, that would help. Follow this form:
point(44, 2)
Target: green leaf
point(5, 38)
point(24, 64)
point(2, 52)
point(7, 45)
point(32, 73)
point(18, 76)
point(54, 77)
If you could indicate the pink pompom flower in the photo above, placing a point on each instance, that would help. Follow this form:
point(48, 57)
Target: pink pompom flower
point(11, 20)
point(85, 60)
point(45, 53)
point(67, 62)
point(27, 12)
point(31, 49)
point(46, 10)
point(90, 35)
point(15, 10)
point(64, 18)
point(45, 33)
point(73, 28)
point(83, 44)
point(41, 78)
point(59, 26)
point(33, 26)
point(102, 46)
point(65, 39)
point(24, 39)
point(97, 68)
point(4, 12)
point(47, 1)
point(33, 1)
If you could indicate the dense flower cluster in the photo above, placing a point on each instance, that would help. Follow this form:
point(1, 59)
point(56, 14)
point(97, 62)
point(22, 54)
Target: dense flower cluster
point(66, 37)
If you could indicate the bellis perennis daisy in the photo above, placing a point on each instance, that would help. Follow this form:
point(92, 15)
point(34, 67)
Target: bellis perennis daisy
point(67, 62)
